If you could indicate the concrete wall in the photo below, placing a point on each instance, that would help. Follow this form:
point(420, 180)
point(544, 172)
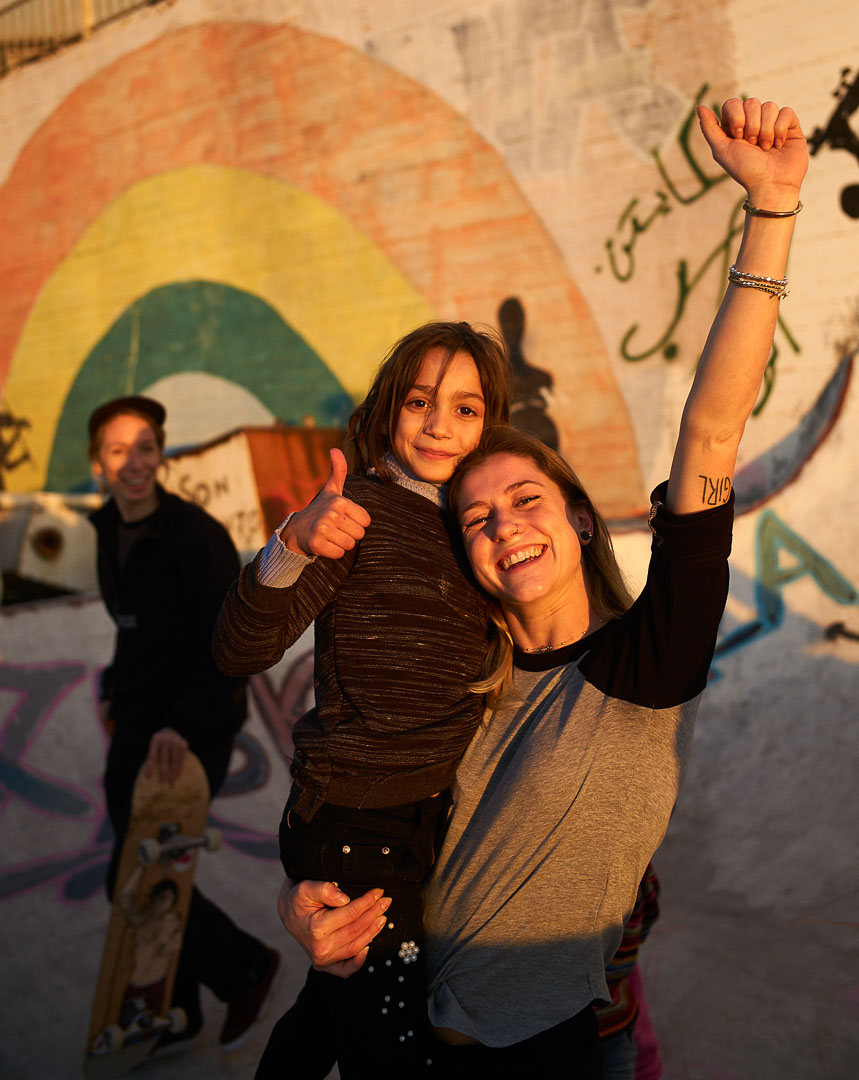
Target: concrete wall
point(238, 206)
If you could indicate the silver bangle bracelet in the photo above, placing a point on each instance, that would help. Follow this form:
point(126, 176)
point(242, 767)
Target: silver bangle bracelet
point(756, 211)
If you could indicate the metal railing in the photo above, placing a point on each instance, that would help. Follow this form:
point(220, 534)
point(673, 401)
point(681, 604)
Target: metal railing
point(33, 28)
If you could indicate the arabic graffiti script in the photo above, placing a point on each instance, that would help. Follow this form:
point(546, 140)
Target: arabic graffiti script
point(640, 215)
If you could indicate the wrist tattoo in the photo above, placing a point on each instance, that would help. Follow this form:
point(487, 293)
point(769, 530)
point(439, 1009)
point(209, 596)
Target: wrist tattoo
point(715, 490)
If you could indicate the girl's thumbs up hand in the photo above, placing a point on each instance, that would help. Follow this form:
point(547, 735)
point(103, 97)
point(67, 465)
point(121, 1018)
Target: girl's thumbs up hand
point(331, 525)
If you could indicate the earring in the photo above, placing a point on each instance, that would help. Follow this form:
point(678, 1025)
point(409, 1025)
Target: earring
point(586, 536)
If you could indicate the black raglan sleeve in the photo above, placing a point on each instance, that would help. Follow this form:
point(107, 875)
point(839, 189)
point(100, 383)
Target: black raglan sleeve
point(659, 653)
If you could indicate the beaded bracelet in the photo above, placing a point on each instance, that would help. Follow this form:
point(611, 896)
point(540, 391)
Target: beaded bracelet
point(756, 211)
point(774, 286)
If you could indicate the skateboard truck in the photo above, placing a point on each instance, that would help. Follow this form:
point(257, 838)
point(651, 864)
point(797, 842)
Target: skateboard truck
point(143, 1024)
point(170, 845)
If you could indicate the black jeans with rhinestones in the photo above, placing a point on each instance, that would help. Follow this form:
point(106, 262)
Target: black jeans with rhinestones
point(375, 1022)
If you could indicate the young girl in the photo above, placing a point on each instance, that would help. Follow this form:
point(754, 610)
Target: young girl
point(400, 633)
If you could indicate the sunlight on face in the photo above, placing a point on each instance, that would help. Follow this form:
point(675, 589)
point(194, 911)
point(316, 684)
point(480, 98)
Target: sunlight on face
point(438, 425)
point(520, 534)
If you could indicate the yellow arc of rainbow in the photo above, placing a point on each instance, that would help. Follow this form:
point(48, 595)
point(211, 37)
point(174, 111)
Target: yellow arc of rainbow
point(324, 277)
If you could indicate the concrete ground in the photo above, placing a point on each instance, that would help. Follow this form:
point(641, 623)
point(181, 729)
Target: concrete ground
point(751, 971)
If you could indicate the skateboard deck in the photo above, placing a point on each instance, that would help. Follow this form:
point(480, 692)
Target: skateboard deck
point(131, 1010)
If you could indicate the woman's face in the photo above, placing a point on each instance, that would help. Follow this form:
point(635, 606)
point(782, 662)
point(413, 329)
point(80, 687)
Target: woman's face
point(127, 461)
point(521, 536)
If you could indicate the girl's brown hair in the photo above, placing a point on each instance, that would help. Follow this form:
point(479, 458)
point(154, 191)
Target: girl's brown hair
point(372, 424)
point(607, 591)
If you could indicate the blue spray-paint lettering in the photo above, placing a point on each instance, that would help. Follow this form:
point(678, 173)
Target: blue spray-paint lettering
point(783, 557)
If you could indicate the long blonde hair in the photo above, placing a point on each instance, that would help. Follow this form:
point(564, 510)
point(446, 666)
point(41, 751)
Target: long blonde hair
point(607, 591)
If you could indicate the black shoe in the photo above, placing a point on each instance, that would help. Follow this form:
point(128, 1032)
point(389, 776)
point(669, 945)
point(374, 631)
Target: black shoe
point(243, 1013)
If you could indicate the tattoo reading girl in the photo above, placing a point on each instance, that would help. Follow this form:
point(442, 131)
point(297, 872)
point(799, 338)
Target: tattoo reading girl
point(716, 490)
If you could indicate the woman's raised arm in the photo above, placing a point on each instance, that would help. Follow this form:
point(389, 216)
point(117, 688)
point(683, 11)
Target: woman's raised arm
point(762, 147)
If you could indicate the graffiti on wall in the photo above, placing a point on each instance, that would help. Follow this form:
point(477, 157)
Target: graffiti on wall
point(280, 707)
point(196, 329)
point(38, 690)
point(783, 557)
point(759, 480)
point(315, 248)
point(77, 874)
point(634, 223)
point(243, 522)
point(220, 478)
point(13, 445)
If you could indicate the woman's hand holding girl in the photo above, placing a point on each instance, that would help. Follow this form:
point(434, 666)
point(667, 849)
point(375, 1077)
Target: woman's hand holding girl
point(334, 931)
point(331, 525)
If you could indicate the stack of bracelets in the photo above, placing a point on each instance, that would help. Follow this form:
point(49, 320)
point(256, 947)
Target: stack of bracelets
point(776, 287)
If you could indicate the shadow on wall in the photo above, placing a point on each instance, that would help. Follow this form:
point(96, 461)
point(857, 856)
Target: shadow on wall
point(532, 386)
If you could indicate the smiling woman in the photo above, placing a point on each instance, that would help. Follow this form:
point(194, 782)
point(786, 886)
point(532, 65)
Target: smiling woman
point(567, 787)
point(538, 545)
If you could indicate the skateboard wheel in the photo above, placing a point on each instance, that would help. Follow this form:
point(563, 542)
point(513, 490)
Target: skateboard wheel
point(149, 851)
point(213, 839)
point(178, 1020)
point(113, 1037)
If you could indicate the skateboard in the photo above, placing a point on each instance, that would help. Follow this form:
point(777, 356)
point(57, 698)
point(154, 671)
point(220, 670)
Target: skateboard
point(131, 1010)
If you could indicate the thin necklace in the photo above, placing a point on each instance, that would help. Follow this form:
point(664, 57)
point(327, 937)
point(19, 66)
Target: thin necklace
point(560, 645)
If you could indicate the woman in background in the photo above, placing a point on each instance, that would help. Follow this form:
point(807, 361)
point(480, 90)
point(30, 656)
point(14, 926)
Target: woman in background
point(164, 565)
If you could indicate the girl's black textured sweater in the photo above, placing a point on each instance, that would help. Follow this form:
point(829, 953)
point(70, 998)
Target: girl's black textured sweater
point(400, 633)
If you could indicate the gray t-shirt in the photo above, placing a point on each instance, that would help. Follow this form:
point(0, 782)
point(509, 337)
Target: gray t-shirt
point(565, 793)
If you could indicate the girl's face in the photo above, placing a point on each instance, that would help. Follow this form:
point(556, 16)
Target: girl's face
point(521, 535)
point(127, 461)
point(439, 424)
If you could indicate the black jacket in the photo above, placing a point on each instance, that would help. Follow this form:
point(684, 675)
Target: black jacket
point(164, 602)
